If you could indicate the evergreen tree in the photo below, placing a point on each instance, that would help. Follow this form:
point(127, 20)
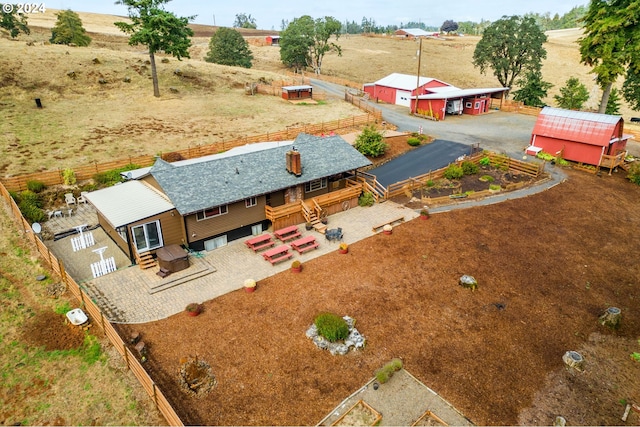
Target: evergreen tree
point(158, 29)
point(449, 26)
point(613, 105)
point(14, 22)
point(228, 47)
point(245, 21)
point(69, 29)
point(573, 95)
point(631, 89)
point(532, 89)
point(510, 46)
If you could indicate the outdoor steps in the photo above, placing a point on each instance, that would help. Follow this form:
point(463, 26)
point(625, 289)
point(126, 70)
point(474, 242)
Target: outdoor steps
point(320, 227)
point(146, 260)
point(169, 283)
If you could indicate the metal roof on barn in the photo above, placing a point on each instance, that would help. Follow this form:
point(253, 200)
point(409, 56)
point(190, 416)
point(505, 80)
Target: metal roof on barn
point(405, 81)
point(579, 126)
point(219, 180)
point(454, 92)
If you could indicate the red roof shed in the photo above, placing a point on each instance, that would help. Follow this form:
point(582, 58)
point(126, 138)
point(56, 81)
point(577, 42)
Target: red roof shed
point(577, 135)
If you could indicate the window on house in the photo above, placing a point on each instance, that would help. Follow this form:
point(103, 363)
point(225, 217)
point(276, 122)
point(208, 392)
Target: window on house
point(122, 232)
point(147, 236)
point(315, 185)
point(251, 201)
point(477, 105)
point(211, 212)
point(467, 105)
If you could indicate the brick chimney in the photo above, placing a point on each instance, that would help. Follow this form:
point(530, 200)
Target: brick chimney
point(294, 163)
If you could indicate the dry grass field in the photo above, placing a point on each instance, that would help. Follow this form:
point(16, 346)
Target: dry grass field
point(84, 121)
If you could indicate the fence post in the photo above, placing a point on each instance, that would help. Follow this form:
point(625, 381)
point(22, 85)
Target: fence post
point(155, 397)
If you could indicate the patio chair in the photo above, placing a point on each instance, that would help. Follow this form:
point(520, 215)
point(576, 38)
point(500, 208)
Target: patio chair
point(69, 199)
point(82, 199)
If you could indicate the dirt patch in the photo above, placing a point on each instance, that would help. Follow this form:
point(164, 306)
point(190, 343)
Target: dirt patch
point(49, 330)
point(547, 265)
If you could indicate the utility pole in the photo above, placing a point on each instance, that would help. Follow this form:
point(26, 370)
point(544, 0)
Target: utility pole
point(418, 77)
point(214, 19)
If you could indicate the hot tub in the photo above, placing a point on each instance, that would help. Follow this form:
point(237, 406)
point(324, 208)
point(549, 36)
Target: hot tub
point(172, 258)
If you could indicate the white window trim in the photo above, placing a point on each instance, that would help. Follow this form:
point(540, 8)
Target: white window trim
point(147, 247)
point(202, 216)
point(309, 187)
point(250, 202)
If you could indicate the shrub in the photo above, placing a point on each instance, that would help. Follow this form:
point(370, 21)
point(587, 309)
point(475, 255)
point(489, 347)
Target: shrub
point(634, 173)
point(113, 176)
point(332, 327)
point(173, 156)
point(430, 183)
point(30, 205)
point(36, 186)
point(494, 187)
point(469, 168)
point(414, 142)
point(366, 199)
point(487, 178)
point(485, 161)
point(370, 142)
point(453, 171)
point(69, 177)
point(386, 372)
point(295, 264)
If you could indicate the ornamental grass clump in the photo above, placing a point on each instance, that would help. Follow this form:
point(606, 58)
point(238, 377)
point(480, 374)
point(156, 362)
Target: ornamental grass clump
point(386, 372)
point(332, 327)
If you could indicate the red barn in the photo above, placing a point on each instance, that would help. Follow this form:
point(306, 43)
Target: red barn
point(297, 92)
point(398, 88)
point(272, 40)
point(451, 100)
point(578, 136)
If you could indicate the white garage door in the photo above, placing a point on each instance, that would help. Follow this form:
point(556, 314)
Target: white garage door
point(403, 98)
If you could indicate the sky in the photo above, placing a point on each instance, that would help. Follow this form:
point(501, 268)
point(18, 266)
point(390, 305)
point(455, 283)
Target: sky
point(269, 15)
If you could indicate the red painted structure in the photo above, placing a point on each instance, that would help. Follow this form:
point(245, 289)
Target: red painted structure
point(578, 136)
point(297, 92)
point(273, 40)
point(398, 88)
point(455, 101)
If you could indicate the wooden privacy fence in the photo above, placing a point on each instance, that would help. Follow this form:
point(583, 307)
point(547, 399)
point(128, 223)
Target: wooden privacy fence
point(19, 182)
point(498, 161)
point(96, 316)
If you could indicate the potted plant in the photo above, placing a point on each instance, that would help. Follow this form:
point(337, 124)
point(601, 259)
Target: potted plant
point(424, 214)
point(193, 309)
point(387, 229)
point(308, 226)
point(249, 285)
point(344, 248)
point(296, 266)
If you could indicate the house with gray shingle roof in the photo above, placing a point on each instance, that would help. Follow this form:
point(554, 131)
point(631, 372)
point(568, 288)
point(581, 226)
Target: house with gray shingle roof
point(226, 196)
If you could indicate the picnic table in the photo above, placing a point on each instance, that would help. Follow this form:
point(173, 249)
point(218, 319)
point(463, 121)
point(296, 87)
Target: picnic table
point(260, 242)
point(287, 233)
point(277, 254)
point(305, 244)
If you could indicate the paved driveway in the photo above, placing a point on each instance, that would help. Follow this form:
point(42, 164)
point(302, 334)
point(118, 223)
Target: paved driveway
point(423, 159)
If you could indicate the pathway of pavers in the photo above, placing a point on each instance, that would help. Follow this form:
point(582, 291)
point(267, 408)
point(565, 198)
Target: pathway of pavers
point(125, 295)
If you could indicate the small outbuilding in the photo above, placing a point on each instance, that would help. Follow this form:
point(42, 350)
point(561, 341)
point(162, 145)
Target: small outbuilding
point(272, 40)
point(297, 92)
point(579, 136)
point(452, 100)
point(398, 88)
point(411, 33)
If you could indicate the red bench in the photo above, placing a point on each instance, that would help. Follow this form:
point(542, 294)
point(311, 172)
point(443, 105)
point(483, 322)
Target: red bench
point(277, 254)
point(260, 242)
point(305, 244)
point(287, 233)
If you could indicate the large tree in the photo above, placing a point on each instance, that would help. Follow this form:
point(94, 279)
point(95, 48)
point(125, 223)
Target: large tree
point(631, 89)
point(245, 21)
point(449, 26)
point(511, 46)
point(161, 31)
point(612, 41)
point(69, 29)
point(305, 42)
point(13, 21)
point(228, 47)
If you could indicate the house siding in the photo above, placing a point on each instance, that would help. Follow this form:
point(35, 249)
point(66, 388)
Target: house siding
point(152, 182)
point(111, 232)
point(237, 216)
point(170, 226)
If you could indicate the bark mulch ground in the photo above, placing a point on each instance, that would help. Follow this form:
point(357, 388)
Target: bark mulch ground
point(547, 265)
